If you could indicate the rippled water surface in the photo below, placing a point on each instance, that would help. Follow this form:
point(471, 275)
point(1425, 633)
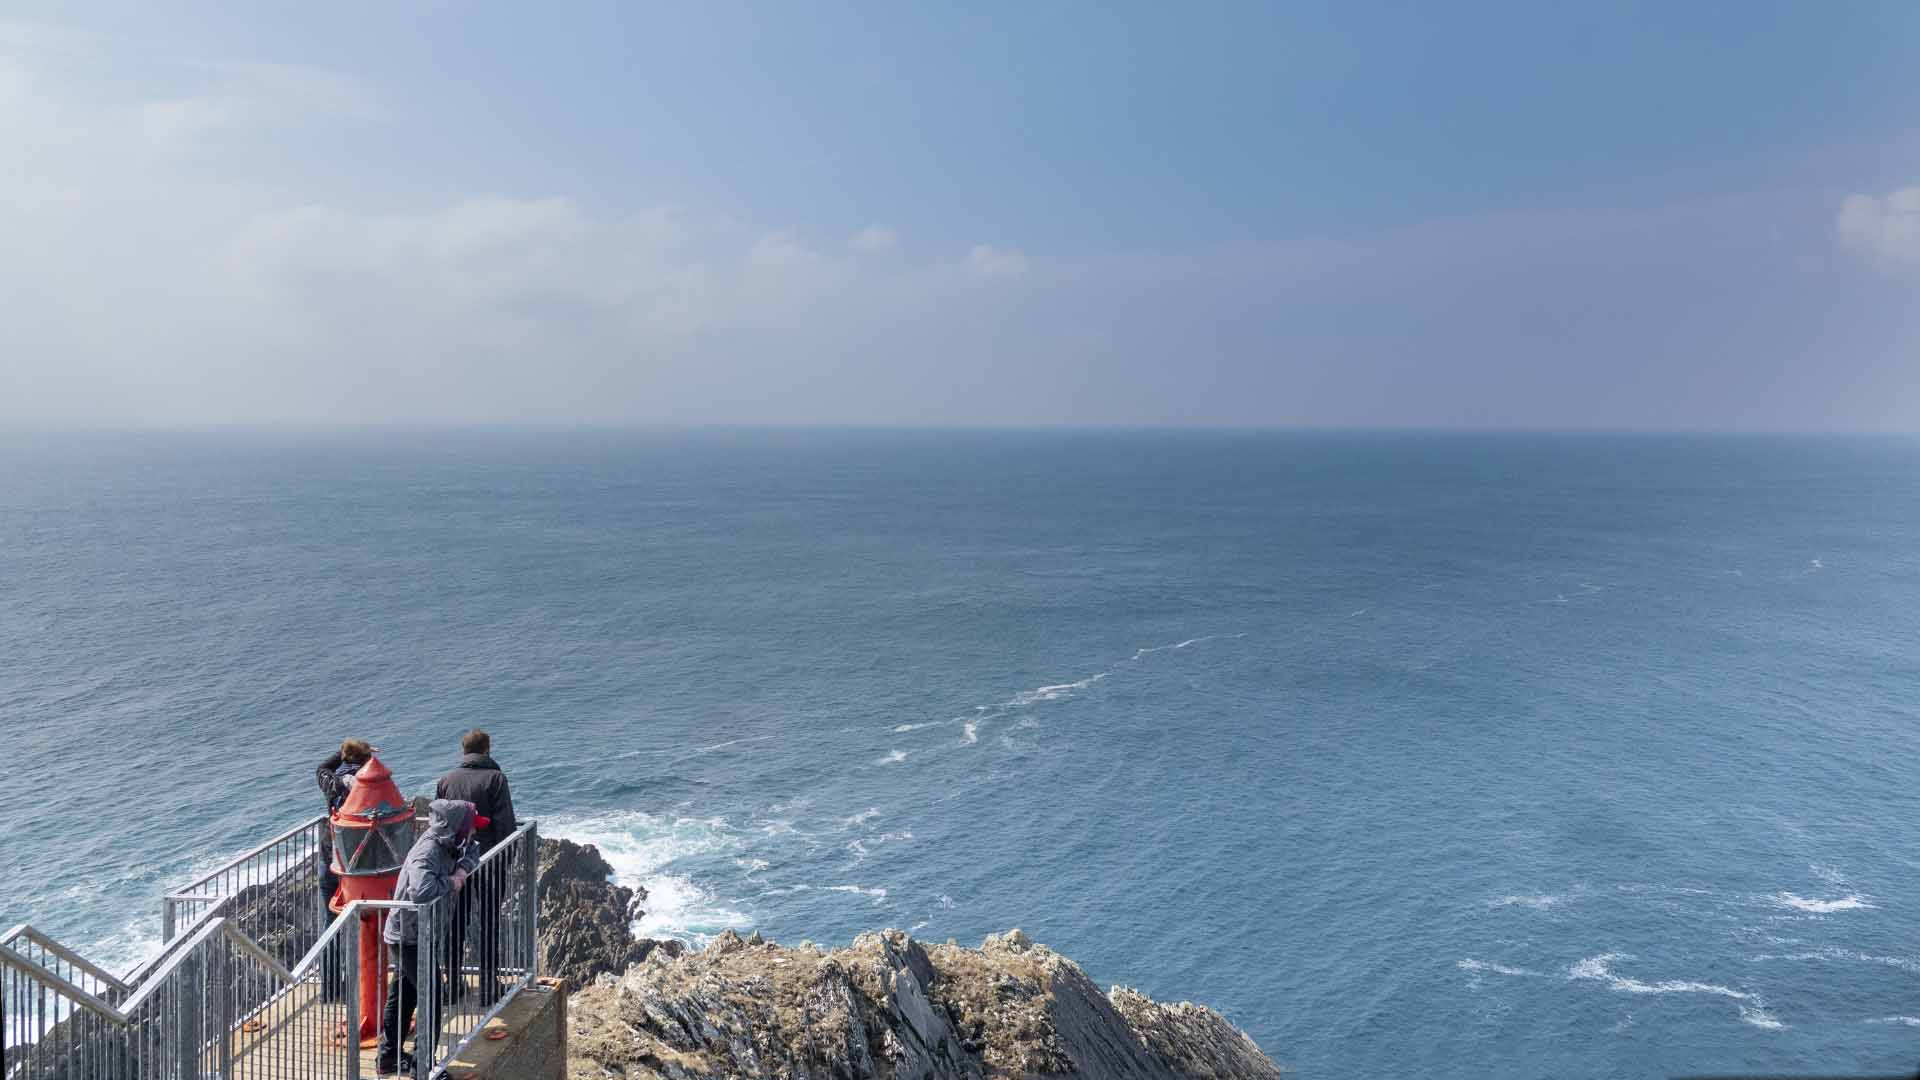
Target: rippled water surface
point(1481, 756)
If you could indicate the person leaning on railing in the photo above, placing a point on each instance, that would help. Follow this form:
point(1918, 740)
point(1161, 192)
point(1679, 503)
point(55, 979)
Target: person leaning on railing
point(436, 867)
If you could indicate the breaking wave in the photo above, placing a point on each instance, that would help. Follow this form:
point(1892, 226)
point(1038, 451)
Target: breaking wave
point(645, 851)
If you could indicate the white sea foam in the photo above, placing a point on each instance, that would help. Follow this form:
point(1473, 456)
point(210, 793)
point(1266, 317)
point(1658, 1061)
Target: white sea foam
point(137, 942)
point(772, 827)
point(1760, 1018)
point(1821, 907)
point(644, 850)
point(970, 735)
point(1831, 954)
point(1052, 693)
point(1908, 1021)
point(1497, 969)
point(1538, 903)
point(1138, 653)
point(946, 901)
point(866, 815)
point(902, 729)
point(1597, 967)
point(1359, 613)
point(893, 758)
point(878, 895)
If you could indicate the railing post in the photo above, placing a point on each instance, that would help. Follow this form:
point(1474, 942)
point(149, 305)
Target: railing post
point(189, 999)
point(350, 990)
point(531, 902)
point(426, 1027)
point(221, 992)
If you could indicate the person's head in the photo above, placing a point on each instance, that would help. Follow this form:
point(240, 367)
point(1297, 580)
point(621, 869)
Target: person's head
point(355, 751)
point(452, 822)
point(476, 742)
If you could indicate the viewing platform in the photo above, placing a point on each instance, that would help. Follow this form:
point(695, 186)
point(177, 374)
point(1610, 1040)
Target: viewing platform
point(258, 980)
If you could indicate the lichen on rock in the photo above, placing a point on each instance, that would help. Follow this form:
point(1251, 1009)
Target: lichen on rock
point(891, 1007)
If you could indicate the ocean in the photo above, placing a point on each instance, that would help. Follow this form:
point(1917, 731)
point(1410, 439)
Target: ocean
point(1453, 755)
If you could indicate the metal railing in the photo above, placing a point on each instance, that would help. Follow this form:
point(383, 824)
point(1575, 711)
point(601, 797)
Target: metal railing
point(217, 1002)
point(472, 951)
point(272, 891)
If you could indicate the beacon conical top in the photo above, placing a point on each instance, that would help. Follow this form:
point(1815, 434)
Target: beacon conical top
point(373, 828)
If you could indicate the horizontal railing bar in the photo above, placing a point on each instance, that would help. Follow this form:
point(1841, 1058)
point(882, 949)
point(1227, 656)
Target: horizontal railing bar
point(27, 931)
point(159, 976)
point(54, 982)
point(252, 948)
point(239, 859)
point(508, 842)
point(347, 916)
point(139, 974)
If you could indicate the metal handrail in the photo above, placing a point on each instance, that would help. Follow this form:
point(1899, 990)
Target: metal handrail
point(48, 979)
point(26, 930)
point(313, 955)
point(181, 967)
point(124, 1012)
point(258, 849)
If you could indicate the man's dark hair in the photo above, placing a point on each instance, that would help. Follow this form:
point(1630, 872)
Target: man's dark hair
point(476, 742)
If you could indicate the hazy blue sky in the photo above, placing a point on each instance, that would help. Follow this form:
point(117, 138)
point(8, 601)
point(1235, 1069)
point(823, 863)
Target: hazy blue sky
point(1665, 215)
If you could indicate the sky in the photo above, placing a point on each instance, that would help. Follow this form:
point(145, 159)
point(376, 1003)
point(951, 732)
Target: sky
point(1654, 215)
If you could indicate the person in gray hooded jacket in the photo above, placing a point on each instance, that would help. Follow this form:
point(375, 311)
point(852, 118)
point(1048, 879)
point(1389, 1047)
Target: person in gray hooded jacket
point(436, 867)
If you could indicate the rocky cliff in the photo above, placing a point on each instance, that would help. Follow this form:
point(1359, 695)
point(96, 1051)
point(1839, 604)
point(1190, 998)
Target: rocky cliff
point(586, 921)
point(885, 1007)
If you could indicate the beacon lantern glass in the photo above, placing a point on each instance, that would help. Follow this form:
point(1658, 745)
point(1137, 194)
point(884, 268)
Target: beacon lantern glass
point(378, 847)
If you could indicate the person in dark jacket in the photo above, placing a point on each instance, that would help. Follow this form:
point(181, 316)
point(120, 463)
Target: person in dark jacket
point(335, 777)
point(478, 780)
point(436, 867)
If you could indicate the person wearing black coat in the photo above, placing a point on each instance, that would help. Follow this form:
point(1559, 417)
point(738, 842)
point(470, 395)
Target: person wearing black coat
point(478, 780)
point(335, 777)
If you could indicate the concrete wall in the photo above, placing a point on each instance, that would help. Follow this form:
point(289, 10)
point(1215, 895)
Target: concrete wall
point(534, 1046)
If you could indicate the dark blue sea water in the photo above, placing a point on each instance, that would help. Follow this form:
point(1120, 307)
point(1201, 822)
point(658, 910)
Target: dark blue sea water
point(1456, 756)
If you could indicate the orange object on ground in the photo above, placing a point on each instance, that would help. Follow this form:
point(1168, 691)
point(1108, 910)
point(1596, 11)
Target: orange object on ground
point(372, 831)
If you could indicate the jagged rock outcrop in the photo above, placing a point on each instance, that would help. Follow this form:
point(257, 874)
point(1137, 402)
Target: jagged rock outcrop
point(889, 1007)
point(586, 921)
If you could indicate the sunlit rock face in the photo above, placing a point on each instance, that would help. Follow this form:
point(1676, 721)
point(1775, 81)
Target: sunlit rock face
point(888, 1007)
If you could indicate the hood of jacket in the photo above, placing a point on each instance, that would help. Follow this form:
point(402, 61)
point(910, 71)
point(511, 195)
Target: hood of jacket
point(450, 821)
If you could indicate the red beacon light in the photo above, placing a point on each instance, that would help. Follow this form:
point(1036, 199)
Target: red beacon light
point(372, 831)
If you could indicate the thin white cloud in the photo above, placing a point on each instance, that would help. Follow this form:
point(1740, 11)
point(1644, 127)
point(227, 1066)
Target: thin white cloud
point(987, 261)
point(873, 240)
point(1884, 227)
point(144, 286)
point(167, 123)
